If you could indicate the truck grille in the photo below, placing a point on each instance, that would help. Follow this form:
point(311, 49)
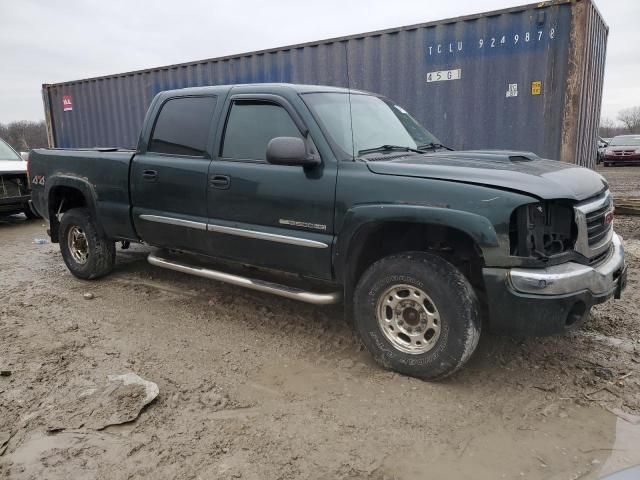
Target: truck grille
point(623, 153)
point(13, 186)
point(595, 229)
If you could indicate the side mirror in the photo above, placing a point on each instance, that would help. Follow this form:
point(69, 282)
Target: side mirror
point(290, 151)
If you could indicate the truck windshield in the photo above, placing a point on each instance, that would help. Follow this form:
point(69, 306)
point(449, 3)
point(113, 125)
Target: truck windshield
point(7, 153)
point(375, 122)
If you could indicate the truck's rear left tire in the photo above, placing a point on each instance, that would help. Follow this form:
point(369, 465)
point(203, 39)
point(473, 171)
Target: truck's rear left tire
point(87, 254)
point(417, 314)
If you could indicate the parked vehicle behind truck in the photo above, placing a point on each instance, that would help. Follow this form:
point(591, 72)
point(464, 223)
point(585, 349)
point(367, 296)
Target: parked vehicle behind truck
point(352, 198)
point(622, 150)
point(14, 185)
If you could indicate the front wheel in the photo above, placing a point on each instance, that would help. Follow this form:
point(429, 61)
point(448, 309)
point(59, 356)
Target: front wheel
point(417, 314)
point(88, 255)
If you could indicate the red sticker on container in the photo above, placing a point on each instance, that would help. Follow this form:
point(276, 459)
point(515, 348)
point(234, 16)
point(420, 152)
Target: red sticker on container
point(67, 104)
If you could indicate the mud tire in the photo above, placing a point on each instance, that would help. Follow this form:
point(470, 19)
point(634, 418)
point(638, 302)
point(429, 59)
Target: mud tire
point(101, 250)
point(451, 293)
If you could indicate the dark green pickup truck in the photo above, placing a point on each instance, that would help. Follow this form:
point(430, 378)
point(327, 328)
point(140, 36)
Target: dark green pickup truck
point(325, 194)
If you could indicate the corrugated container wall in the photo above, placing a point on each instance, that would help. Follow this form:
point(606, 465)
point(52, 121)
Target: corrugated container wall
point(526, 78)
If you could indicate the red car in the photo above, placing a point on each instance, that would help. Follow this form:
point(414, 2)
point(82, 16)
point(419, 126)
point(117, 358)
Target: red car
point(623, 149)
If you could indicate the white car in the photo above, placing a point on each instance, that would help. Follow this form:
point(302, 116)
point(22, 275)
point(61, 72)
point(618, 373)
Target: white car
point(14, 183)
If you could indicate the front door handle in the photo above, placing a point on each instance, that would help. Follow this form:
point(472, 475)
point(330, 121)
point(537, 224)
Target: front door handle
point(220, 181)
point(149, 175)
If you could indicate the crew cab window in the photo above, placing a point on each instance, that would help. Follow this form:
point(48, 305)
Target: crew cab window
point(250, 127)
point(182, 127)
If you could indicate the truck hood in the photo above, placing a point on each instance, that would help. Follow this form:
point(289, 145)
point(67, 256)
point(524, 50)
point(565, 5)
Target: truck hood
point(523, 172)
point(11, 166)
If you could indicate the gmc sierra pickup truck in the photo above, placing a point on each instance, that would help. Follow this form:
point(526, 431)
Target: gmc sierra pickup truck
point(323, 195)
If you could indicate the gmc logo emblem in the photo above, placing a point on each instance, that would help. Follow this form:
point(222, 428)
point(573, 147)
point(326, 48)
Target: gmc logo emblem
point(608, 218)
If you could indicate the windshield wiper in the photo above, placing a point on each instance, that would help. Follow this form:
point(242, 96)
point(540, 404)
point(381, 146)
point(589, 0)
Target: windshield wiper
point(388, 148)
point(434, 146)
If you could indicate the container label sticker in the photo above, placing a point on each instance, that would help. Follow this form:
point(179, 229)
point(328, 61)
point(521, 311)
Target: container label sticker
point(536, 88)
point(67, 104)
point(444, 75)
point(513, 90)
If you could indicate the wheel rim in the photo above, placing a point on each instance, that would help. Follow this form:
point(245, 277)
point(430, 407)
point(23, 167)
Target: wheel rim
point(78, 246)
point(409, 319)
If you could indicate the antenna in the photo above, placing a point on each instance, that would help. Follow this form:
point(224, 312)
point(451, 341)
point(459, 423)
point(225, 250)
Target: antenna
point(353, 143)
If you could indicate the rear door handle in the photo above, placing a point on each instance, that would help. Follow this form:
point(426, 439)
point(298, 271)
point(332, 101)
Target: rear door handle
point(150, 175)
point(220, 181)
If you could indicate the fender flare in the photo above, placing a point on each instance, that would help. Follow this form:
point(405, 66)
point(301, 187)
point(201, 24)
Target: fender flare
point(361, 218)
point(77, 183)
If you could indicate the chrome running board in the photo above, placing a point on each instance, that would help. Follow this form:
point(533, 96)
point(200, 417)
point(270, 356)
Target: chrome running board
point(254, 284)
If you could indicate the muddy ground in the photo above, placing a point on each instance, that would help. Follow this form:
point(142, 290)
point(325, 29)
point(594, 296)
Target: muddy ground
point(256, 387)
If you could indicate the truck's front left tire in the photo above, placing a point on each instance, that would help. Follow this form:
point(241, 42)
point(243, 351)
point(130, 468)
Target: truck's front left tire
point(87, 254)
point(417, 314)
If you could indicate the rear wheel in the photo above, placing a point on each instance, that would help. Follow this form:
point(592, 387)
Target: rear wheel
point(87, 254)
point(417, 314)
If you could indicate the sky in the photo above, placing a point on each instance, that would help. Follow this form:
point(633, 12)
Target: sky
point(44, 41)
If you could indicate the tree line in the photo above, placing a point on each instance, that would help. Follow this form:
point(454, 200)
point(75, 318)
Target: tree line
point(24, 135)
point(629, 123)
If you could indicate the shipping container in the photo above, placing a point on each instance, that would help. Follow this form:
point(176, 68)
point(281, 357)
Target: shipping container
point(527, 78)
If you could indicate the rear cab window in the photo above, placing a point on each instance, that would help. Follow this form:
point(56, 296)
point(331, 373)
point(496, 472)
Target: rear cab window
point(182, 127)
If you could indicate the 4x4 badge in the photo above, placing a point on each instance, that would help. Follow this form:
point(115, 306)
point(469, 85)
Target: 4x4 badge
point(38, 180)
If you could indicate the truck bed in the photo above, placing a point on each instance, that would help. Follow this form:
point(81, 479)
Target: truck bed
point(101, 174)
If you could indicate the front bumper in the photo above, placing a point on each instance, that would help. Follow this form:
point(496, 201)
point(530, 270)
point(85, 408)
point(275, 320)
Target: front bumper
point(553, 299)
point(10, 205)
point(621, 158)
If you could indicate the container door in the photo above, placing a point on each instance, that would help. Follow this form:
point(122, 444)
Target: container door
point(169, 180)
point(270, 215)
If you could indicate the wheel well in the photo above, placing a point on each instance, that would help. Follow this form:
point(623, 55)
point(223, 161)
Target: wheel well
point(378, 241)
point(62, 199)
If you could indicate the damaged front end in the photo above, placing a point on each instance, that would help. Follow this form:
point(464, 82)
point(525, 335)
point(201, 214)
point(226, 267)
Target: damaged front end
point(569, 260)
point(543, 230)
point(556, 231)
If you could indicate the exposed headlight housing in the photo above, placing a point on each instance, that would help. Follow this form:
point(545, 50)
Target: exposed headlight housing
point(543, 229)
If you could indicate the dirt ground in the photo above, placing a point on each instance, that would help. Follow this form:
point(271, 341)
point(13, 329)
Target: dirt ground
point(623, 181)
point(256, 387)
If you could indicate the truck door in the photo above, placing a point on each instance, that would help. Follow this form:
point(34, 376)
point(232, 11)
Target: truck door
point(169, 179)
point(270, 215)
